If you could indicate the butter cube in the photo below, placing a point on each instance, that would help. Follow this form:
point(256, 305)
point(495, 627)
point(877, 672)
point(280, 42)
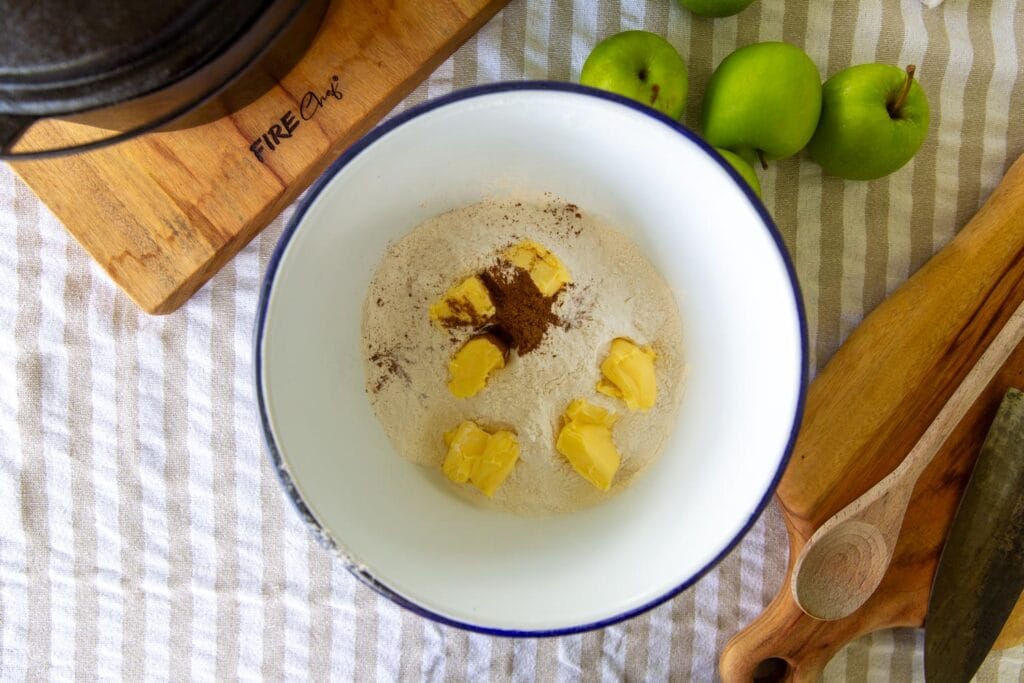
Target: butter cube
point(483, 459)
point(545, 269)
point(629, 374)
point(586, 442)
point(587, 413)
point(465, 444)
point(467, 303)
point(496, 462)
point(473, 364)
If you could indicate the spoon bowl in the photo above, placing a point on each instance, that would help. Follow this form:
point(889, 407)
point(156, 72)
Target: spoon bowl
point(842, 570)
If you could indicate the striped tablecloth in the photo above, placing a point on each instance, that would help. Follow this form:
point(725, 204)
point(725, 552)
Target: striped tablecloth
point(142, 534)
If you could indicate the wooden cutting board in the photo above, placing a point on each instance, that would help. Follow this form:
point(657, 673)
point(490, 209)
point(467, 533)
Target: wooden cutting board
point(162, 213)
point(867, 409)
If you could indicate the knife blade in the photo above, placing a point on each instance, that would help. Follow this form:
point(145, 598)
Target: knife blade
point(980, 574)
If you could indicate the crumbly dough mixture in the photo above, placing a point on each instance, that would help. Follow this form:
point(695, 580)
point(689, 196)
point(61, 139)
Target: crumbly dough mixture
point(616, 292)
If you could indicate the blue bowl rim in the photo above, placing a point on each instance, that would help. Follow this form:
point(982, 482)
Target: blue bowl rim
point(277, 461)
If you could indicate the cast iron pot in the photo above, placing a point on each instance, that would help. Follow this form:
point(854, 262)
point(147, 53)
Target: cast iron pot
point(135, 65)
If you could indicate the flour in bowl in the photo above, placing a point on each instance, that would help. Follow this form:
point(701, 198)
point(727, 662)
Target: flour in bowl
point(614, 293)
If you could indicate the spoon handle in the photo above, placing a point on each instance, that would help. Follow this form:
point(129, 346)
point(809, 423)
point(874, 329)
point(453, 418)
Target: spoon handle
point(899, 484)
point(963, 398)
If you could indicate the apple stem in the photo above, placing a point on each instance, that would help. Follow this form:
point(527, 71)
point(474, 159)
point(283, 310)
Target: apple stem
point(764, 162)
point(901, 98)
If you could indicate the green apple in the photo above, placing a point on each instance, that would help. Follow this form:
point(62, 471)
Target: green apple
point(715, 8)
point(874, 118)
point(745, 170)
point(763, 100)
point(642, 66)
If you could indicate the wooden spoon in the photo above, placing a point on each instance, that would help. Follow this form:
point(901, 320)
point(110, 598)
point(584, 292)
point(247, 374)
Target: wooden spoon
point(844, 561)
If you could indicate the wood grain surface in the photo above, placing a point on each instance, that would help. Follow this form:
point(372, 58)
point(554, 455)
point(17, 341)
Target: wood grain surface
point(867, 409)
point(162, 213)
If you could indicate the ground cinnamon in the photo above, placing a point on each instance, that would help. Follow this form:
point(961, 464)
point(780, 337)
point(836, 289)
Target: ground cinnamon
point(522, 314)
point(388, 363)
point(464, 316)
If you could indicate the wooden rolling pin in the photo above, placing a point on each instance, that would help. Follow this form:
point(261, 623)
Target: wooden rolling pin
point(866, 410)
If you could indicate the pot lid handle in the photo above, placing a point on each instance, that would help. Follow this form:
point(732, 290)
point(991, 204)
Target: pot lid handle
point(12, 127)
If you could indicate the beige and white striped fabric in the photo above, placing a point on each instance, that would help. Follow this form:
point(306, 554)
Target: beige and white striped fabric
point(142, 533)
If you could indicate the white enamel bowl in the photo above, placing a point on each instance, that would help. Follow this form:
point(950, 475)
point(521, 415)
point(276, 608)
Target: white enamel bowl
point(397, 524)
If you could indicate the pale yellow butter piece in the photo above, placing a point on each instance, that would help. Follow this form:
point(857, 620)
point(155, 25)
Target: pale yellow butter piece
point(467, 302)
point(545, 269)
point(585, 412)
point(586, 442)
point(465, 444)
point(629, 374)
point(471, 365)
point(496, 462)
point(478, 457)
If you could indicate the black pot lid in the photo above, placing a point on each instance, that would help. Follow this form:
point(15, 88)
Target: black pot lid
point(61, 56)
